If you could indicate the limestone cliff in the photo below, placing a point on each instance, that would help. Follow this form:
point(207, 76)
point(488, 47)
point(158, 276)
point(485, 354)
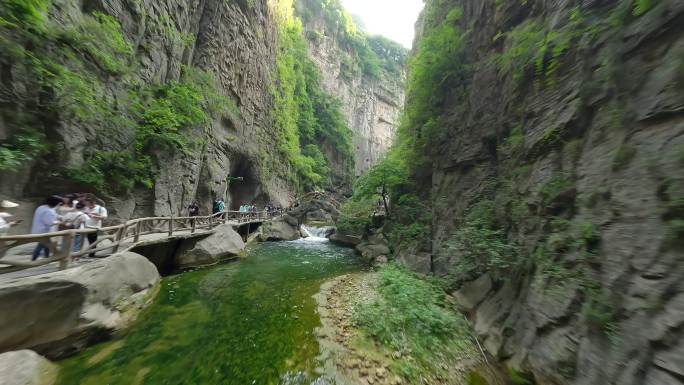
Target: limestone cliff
point(154, 103)
point(233, 41)
point(371, 103)
point(557, 183)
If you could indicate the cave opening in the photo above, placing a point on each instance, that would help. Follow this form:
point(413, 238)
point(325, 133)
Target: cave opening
point(244, 191)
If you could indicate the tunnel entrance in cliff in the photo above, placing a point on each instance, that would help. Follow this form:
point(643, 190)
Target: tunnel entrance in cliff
point(245, 191)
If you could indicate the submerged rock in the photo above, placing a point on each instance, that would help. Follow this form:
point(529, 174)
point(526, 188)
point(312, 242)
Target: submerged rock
point(60, 313)
point(26, 367)
point(224, 244)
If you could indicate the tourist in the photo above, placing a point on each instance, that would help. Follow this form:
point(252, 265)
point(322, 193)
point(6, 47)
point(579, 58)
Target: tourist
point(5, 224)
point(216, 207)
point(44, 218)
point(75, 220)
point(68, 205)
point(193, 209)
point(221, 206)
point(96, 214)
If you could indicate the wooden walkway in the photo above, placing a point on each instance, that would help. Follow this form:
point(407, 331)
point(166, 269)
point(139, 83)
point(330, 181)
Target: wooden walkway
point(16, 250)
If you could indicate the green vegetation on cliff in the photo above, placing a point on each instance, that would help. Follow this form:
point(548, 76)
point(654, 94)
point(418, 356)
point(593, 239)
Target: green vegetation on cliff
point(435, 70)
point(308, 119)
point(541, 142)
point(65, 69)
point(370, 56)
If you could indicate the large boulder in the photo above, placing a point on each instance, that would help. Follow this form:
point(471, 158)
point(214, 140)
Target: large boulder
point(345, 239)
point(59, 313)
point(375, 249)
point(225, 243)
point(26, 367)
point(316, 210)
point(318, 216)
point(284, 228)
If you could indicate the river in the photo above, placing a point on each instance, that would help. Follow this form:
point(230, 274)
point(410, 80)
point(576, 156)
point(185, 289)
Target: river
point(250, 322)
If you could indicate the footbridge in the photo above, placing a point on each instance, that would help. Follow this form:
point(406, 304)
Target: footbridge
point(15, 250)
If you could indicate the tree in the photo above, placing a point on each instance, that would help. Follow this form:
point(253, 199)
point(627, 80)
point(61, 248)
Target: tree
point(383, 179)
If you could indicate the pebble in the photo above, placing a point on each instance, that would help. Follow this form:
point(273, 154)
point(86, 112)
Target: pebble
point(381, 372)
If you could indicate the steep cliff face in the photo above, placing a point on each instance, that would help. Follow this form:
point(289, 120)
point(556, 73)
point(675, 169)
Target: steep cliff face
point(371, 103)
point(556, 182)
point(154, 103)
point(233, 41)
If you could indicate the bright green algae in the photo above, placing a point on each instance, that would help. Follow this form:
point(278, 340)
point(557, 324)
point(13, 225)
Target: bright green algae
point(245, 323)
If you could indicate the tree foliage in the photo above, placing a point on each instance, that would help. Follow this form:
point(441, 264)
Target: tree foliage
point(382, 180)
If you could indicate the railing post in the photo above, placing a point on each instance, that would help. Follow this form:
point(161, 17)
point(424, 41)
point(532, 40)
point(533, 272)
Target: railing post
point(138, 229)
point(65, 253)
point(117, 240)
point(193, 224)
point(170, 226)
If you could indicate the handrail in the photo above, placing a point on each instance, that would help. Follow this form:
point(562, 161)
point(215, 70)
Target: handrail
point(117, 235)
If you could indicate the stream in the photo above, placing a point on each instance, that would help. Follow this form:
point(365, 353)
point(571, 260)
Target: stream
point(250, 322)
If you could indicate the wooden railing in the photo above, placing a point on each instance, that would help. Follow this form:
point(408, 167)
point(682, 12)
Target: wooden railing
point(112, 238)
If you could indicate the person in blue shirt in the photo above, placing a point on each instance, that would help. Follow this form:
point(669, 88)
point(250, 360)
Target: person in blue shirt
point(44, 219)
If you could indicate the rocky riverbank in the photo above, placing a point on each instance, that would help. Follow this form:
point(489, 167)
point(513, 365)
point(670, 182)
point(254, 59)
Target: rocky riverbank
point(352, 355)
point(346, 353)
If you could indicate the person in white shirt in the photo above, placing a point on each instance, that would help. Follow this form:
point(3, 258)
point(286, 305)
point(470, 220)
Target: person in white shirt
point(96, 214)
point(44, 219)
point(5, 223)
point(68, 205)
point(76, 220)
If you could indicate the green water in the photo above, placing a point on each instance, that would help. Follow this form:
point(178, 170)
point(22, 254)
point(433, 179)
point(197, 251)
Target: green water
point(250, 322)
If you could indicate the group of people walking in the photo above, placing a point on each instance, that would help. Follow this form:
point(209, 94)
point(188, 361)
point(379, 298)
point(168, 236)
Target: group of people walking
point(66, 213)
point(57, 213)
point(219, 206)
point(82, 211)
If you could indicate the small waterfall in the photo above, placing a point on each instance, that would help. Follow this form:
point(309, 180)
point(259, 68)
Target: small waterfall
point(316, 234)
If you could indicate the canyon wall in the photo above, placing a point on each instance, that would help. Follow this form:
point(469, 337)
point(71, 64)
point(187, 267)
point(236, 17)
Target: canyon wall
point(233, 41)
point(108, 72)
point(371, 104)
point(557, 185)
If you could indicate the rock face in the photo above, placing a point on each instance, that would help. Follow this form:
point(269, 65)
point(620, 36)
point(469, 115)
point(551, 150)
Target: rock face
point(371, 106)
point(375, 249)
point(285, 228)
point(316, 208)
point(57, 314)
point(224, 244)
point(234, 41)
point(566, 126)
point(26, 367)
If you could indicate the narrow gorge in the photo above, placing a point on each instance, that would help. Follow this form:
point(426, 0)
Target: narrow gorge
point(504, 201)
